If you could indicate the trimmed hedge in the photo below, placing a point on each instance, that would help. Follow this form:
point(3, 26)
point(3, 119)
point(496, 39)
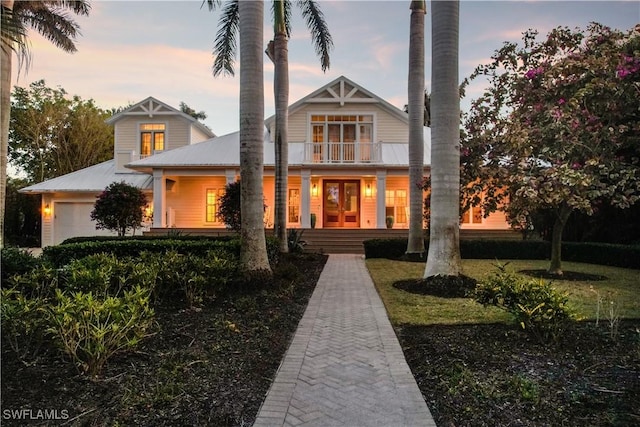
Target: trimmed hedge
point(175, 236)
point(61, 255)
point(626, 256)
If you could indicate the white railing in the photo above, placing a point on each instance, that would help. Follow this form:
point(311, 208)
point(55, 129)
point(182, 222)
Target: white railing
point(342, 152)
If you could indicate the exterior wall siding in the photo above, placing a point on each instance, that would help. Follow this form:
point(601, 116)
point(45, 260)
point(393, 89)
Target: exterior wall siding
point(388, 127)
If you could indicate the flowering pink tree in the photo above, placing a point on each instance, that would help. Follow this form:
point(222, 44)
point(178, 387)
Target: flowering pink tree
point(558, 127)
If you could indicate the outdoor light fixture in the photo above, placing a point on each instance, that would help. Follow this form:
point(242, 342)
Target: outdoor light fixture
point(314, 190)
point(47, 210)
point(368, 191)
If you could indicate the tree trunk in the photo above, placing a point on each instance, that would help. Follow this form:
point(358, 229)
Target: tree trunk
point(5, 114)
point(556, 239)
point(281, 95)
point(444, 245)
point(415, 245)
point(253, 248)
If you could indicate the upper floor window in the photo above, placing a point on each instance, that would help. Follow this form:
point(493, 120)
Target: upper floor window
point(151, 138)
point(340, 134)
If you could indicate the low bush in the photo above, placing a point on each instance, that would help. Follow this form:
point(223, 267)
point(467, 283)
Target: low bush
point(61, 255)
point(23, 322)
point(91, 329)
point(625, 256)
point(16, 261)
point(535, 305)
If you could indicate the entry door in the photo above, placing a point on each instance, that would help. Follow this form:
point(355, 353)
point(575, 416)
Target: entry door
point(341, 203)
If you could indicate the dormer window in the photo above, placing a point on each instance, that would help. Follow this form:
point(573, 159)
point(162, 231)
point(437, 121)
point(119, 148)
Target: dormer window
point(151, 138)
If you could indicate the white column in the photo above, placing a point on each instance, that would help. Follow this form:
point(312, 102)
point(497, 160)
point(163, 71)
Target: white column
point(381, 187)
point(159, 199)
point(305, 198)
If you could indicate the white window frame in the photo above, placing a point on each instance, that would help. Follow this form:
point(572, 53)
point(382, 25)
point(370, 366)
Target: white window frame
point(153, 131)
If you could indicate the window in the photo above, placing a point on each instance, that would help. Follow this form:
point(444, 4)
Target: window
point(213, 204)
point(151, 138)
point(348, 138)
point(472, 216)
point(294, 205)
point(396, 205)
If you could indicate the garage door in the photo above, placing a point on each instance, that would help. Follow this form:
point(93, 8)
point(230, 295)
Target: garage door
point(73, 220)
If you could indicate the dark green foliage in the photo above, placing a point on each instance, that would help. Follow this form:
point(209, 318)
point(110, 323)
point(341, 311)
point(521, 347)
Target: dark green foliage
point(23, 322)
point(170, 236)
point(294, 240)
point(63, 254)
point(22, 221)
point(16, 261)
point(230, 212)
point(625, 256)
point(535, 305)
point(119, 208)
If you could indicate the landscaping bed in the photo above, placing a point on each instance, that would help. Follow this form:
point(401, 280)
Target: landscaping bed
point(497, 375)
point(210, 365)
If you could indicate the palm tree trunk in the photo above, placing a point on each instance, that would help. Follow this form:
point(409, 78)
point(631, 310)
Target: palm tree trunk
point(281, 95)
point(444, 244)
point(555, 267)
point(5, 114)
point(253, 249)
point(415, 245)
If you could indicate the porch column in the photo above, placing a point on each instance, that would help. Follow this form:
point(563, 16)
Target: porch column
point(230, 175)
point(159, 199)
point(381, 187)
point(305, 198)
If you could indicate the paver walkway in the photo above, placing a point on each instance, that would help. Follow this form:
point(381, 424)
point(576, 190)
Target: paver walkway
point(344, 366)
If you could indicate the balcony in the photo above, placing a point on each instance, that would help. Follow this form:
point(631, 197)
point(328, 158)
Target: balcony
point(342, 152)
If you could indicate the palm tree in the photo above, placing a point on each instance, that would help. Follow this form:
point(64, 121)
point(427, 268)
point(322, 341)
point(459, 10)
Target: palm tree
point(253, 250)
point(416, 107)
point(278, 52)
point(444, 244)
point(49, 18)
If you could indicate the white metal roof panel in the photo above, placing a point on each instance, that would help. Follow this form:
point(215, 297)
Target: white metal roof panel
point(93, 178)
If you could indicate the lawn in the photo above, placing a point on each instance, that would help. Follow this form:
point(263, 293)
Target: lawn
point(475, 367)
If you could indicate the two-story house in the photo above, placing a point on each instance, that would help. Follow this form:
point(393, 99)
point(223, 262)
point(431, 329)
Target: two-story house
point(348, 167)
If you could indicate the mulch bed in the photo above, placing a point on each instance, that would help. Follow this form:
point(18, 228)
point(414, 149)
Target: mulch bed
point(208, 366)
point(497, 375)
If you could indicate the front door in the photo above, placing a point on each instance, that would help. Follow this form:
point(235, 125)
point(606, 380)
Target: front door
point(341, 203)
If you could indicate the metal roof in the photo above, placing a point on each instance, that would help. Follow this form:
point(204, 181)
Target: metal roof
point(91, 179)
point(225, 151)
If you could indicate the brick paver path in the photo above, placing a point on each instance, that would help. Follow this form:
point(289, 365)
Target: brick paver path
point(345, 366)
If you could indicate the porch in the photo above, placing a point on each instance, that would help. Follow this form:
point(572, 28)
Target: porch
point(343, 240)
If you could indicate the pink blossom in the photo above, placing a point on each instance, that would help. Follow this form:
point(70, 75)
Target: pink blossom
point(534, 72)
point(576, 166)
point(561, 101)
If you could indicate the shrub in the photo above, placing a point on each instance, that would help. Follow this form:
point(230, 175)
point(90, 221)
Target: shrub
point(119, 208)
point(16, 261)
point(538, 307)
point(63, 254)
point(625, 256)
point(23, 322)
point(91, 330)
point(294, 240)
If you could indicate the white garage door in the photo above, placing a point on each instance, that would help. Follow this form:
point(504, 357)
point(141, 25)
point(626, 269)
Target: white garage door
point(73, 220)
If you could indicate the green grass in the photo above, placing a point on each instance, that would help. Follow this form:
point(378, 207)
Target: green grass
point(618, 293)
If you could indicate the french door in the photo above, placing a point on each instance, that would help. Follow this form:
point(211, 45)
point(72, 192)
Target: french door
point(341, 205)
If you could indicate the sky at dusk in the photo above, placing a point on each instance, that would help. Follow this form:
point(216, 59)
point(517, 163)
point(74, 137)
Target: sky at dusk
point(130, 50)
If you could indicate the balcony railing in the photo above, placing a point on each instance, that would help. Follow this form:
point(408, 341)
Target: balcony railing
point(342, 152)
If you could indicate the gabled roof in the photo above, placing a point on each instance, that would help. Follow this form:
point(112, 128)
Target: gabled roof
point(341, 91)
point(91, 179)
point(151, 107)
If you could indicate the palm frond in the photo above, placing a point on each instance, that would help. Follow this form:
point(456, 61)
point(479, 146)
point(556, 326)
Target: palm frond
point(14, 38)
point(211, 4)
point(320, 35)
point(225, 45)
